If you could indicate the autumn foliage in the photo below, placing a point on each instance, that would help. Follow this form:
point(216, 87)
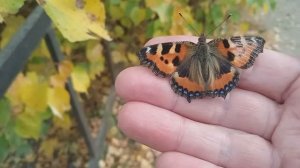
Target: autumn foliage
point(90, 32)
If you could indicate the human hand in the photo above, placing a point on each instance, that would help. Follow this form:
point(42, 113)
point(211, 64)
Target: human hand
point(256, 126)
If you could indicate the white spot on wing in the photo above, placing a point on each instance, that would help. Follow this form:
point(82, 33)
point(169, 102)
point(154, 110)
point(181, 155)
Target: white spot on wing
point(159, 48)
point(172, 49)
point(148, 49)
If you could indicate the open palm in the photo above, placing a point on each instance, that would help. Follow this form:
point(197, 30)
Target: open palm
point(256, 126)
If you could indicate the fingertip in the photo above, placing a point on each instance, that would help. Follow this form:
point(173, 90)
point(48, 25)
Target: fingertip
point(139, 84)
point(128, 82)
point(131, 121)
point(150, 125)
point(123, 118)
point(120, 81)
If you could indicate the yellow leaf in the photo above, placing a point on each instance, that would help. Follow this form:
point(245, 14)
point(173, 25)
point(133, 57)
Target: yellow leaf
point(95, 10)
point(34, 92)
point(95, 68)
point(28, 124)
point(94, 51)
point(14, 91)
point(118, 56)
point(133, 58)
point(58, 80)
point(12, 25)
point(80, 79)
point(58, 100)
point(41, 50)
point(77, 24)
point(244, 27)
point(153, 3)
point(180, 26)
point(162, 11)
point(48, 146)
point(266, 7)
point(65, 122)
point(65, 68)
point(9, 7)
point(95, 57)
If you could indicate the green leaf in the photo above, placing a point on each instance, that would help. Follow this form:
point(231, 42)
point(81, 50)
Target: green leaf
point(29, 124)
point(251, 2)
point(216, 13)
point(273, 4)
point(114, 2)
point(164, 11)
point(260, 3)
point(14, 139)
point(9, 7)
point(4, 112)
point(149, 13)
point(126, 22)
point(150, 30)
point(47, 114)
point(118, 31)
point(24, 148)
point(131, 5)
point(4, 147)
point(116, 12)
point(137, 15)
point(235, 15)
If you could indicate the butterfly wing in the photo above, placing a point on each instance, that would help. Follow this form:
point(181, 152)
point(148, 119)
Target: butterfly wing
point(225, 79)
point(240, 51)
point(164, 58)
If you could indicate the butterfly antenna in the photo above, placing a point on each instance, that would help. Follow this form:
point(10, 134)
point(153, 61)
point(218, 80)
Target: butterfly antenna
point(189, 24)
point(219, 25)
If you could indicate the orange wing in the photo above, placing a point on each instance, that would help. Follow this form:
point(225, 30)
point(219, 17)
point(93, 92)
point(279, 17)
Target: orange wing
point(239, 51)
point(164, 58)
point(226, 80)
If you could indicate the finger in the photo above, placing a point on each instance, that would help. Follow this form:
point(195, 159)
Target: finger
point(180, 160)
point(272, 74)
point(166, 131)
point(243, 110)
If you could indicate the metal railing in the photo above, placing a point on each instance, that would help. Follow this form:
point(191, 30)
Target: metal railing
point(14, 56)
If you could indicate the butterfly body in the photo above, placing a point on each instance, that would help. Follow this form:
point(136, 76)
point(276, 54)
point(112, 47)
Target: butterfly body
point(202, 69)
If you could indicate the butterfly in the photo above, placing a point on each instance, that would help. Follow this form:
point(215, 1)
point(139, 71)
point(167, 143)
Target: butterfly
point(198, 70)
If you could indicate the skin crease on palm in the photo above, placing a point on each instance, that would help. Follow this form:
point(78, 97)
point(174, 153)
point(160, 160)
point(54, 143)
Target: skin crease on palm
point(256, 126)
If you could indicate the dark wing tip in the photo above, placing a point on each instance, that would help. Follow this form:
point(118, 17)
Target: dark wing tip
point(142, 55)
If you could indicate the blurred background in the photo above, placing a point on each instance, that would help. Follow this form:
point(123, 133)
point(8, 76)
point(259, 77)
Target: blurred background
point(62, 112)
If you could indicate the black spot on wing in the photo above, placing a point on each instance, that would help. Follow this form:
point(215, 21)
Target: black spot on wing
point(177, 48)
point(225, 67)
point(166, 48)
point(166, 61)
point(142, 52)
point(183, 71)
point(176, 61)
point(153, 49)
point(226, 43)
point(230, 56)
point(237, 41)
